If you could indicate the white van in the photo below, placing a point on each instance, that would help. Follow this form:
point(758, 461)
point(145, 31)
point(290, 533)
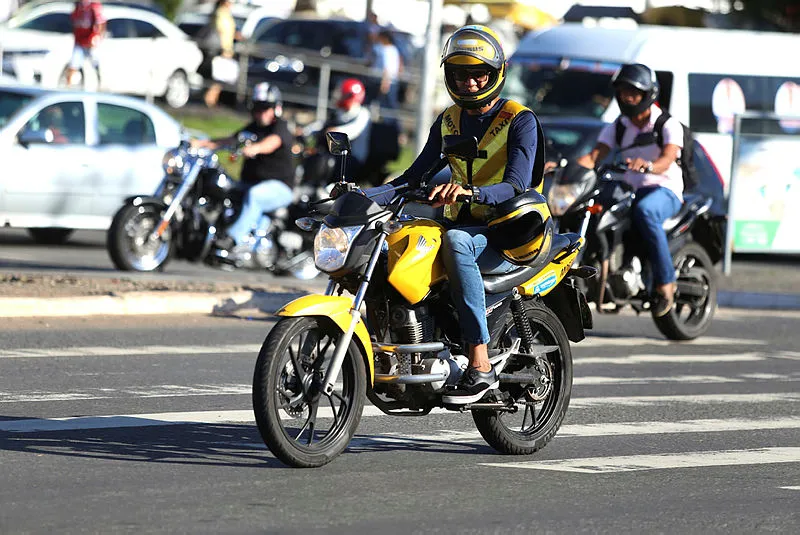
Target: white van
point(706, 75)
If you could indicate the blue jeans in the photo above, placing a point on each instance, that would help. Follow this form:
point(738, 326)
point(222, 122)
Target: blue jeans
point(467, 254)
point(265, 196)
point(654, 206)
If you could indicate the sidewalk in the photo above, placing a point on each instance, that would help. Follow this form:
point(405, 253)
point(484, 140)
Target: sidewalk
point(754, 284)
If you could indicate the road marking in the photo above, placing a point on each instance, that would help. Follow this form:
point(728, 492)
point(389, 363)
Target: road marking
point(696, 379)
point(246, 416)
point(623, 341)
point(632, 463)
point(156, 350)
point(700, 399)
point(671, 359)
point(790, 488)
point(128, 351)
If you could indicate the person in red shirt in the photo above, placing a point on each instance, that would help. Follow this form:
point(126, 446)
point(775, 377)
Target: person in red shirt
point(88, 25)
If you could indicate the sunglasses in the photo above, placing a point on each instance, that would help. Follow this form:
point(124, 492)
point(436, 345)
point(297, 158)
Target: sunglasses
point(463, 75)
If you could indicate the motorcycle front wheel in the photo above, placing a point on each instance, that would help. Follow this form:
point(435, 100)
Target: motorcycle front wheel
point(541, 405)
point(129, 241)
point(696, 298)
point(300, 424)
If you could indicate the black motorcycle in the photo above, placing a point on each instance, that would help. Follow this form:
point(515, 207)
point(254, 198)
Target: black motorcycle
point(597, 204)
point(197, 200)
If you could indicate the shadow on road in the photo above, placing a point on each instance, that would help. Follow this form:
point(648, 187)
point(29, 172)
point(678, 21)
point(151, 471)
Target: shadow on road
point(230, 445)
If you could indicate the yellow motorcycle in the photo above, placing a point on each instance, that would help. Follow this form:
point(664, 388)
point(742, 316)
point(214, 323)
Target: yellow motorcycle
point(394, 338)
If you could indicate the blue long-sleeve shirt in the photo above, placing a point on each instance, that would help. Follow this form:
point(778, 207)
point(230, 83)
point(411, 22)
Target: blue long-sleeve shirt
point(521, 148)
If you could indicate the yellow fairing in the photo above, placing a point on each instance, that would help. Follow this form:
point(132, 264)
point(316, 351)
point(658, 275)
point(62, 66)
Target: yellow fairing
point(549, 277)
point(337, 309)
point(414, 263)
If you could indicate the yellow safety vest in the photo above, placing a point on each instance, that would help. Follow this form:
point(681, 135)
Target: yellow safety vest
point(485, 172)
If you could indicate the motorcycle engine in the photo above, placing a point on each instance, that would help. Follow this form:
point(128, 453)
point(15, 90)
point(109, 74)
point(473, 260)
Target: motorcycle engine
point(626, 281)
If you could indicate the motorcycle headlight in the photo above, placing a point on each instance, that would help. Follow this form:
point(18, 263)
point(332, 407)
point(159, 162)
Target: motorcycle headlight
point(331, 246)
point(562, 196)
point(173, 162)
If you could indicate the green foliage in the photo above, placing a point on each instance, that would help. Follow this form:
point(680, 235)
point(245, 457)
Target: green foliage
point(170, 7)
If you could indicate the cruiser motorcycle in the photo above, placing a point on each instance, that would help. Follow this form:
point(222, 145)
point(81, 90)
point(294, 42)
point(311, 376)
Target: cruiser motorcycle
point(194, 202)
point(394, 338)
point(597, 205)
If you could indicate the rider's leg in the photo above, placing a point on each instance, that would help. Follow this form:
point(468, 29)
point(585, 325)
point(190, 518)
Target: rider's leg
point(75, 63)
point(265, 196)
point(466, 255)
point(651, 210)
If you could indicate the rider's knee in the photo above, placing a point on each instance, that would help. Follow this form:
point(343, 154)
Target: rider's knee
point(458, 242)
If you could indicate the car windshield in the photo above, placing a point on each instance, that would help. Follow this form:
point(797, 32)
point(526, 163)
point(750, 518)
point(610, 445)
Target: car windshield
point(561, 86)
point(570, 140)
point(11, 103)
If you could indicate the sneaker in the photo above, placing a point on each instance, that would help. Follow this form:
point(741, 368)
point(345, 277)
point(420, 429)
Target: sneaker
point(472, 386)
point(661, 305)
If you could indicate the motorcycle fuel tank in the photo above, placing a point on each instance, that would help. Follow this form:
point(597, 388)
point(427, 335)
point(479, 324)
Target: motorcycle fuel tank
point(414, 264)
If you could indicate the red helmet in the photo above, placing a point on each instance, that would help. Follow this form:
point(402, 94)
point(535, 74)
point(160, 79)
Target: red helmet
point(351, 91)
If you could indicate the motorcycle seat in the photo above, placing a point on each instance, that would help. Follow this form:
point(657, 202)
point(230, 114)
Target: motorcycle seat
point(692, 203)
point(503, 282)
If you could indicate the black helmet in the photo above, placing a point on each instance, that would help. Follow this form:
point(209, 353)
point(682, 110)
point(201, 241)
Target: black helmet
point(521, 228)
point(642, 78)
point(265, 95)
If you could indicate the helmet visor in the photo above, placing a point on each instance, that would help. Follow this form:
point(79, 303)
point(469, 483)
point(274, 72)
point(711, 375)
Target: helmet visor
point(472, 80)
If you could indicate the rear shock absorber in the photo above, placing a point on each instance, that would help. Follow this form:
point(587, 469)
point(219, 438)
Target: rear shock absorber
point(521, 321)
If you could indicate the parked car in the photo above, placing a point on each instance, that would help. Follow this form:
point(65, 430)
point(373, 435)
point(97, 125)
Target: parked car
point(71, 158)
point(142, 52)
point(570, 137)
point(344, 42)
point(248, 19)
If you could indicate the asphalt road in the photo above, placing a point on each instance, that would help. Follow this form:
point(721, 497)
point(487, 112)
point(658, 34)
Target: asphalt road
point(659, 438)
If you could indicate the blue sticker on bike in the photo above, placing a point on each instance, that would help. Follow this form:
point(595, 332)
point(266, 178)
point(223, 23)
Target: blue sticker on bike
point(546, 284)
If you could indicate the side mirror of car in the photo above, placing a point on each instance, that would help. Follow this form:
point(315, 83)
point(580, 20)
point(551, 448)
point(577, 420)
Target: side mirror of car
point(30, 136)
point(462, 147)
point(338, 143)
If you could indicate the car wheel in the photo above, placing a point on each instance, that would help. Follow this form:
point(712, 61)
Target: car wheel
point(50, 236)
point(177, 93)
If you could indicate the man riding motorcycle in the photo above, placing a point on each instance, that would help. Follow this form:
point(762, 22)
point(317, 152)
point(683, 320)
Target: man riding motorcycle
point(268, 169)
point(474, 74)
point(653, 171)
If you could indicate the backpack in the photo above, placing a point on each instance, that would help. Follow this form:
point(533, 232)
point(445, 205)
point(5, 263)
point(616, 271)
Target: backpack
point(686, 160)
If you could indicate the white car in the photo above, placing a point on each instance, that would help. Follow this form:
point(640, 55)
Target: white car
point(70, 159)
point(142, 52)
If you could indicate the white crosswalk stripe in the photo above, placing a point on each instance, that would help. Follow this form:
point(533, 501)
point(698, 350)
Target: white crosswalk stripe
point(759, 365)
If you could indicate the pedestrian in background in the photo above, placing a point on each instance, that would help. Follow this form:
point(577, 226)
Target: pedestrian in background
point(88, 26)
point(390, 63)
point(223, 26)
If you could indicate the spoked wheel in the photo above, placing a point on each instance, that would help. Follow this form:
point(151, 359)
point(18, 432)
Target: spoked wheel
point(696, 298)
point(130, 243)
point(300, 424)
point(541, 388)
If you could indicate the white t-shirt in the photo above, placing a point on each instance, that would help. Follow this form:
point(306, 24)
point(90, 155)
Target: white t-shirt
point(673, 135)
point(389, 61)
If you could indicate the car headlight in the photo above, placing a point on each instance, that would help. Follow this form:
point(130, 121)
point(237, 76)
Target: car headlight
point(331, 246)
point(173, 162)
point(562, 196)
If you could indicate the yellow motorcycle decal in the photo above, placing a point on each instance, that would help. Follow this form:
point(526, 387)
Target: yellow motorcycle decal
point(550, 276)
point(336, 308)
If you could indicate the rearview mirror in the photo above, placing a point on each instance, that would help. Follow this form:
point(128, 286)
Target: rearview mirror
point(29, 136)
point(462, 147)
point(338, 143)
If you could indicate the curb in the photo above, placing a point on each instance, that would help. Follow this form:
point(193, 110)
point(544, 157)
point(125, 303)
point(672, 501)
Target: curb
point(225, 304)
point(143, 303)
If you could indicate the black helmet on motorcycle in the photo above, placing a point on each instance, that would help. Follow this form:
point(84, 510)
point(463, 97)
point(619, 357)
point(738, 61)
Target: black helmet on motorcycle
point(265, 96)
point(473, 51)
point(640, 77)
point(522, 229)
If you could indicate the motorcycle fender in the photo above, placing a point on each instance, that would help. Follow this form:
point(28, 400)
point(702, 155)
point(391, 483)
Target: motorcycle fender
point(337, 309)
point(570, 305)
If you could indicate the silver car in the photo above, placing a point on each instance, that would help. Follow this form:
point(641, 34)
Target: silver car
point(70, 159)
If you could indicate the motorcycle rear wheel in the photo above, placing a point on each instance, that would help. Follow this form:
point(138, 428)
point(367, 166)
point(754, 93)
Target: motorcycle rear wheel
point(694, 308)
point(302, 426)
point(127, 239)
point(541, 418)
